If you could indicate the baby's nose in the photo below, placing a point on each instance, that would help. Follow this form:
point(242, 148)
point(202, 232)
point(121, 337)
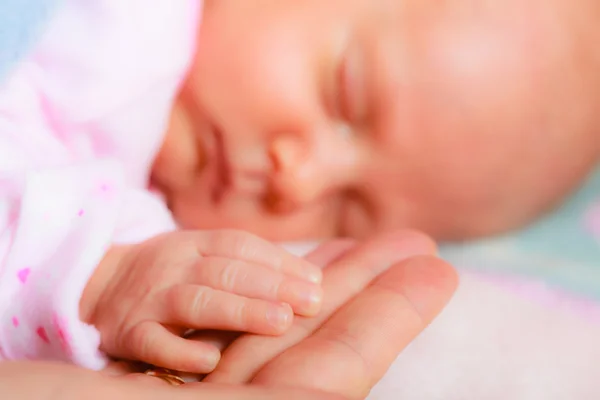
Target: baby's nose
point(305, 171)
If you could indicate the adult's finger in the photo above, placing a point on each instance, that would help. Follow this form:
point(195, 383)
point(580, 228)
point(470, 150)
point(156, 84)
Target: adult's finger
point(350, 353)
point(64, 381)
point(251, 392)
point(344, 279)
point(143, 387)
point(328, 252)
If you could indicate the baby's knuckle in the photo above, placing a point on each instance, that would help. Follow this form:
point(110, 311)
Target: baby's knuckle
point(140, 339)
point(227, 240)
point(231, 276)
point(277, 288)
point(201, 299)
point(242, 244)
point(242, 313)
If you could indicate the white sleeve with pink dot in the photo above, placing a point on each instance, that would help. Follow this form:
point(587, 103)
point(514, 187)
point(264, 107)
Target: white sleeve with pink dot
point(61, 222)
point(80, 121)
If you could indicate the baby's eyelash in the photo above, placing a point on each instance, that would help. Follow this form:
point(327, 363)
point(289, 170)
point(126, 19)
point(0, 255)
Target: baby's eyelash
point(343, 92)
point(350, 100)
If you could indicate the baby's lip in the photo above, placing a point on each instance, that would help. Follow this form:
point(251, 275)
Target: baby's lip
point(227, 177)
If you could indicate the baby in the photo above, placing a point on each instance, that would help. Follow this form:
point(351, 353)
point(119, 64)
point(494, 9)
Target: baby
point(347, 117)
point(288, 119)
point(89, 257)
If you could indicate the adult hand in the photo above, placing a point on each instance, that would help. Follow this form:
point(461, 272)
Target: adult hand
point(379, 295)
point(54, 381)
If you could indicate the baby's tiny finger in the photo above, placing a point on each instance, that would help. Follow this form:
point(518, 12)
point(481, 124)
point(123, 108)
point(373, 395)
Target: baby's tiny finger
point(152, 343)
point(200, 307)
point(244, 246)
point(258, 282)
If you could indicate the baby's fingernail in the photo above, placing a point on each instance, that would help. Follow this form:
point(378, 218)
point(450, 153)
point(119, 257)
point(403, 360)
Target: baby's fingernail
point(314, 274)
point(212, 359)
point(279, 316)
point(307, 296)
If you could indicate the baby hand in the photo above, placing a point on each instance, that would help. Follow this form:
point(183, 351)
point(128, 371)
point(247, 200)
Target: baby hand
point(144, 298)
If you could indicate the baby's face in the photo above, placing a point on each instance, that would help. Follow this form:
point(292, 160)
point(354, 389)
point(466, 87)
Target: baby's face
point(316, 118)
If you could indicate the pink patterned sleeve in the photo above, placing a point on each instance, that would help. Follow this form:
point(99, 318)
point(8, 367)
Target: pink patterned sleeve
point(58, 224)
point(80, 123)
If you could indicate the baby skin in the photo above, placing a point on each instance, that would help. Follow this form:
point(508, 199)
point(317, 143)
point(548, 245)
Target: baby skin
point(317, 118)
point(92, 264)
point(144, 298)
point(314, 119)
point(345, 118)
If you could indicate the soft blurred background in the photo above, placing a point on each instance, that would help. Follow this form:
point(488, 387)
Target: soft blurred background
point(563, 249)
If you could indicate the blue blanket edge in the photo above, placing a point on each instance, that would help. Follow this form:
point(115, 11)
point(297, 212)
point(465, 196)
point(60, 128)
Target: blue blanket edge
point(21, 21)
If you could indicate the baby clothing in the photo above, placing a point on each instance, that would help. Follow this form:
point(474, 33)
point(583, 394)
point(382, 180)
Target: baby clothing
point(21, 21)
point(81, 118)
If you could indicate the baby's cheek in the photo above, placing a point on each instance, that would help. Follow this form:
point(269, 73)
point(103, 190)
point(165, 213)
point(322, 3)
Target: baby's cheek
point(181, 156)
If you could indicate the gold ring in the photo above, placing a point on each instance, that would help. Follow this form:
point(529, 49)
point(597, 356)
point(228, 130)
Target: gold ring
point(166, 375)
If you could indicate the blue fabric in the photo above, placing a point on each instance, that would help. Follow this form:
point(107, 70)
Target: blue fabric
point(558, 249)
point(20, 23)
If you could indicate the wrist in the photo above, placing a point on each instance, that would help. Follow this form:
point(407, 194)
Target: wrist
point(99, 281)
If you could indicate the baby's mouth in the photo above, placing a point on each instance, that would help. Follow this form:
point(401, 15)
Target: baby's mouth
point(225, 176)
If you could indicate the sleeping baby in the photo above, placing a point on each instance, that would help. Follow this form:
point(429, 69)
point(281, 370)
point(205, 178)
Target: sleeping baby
point(131, 135)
